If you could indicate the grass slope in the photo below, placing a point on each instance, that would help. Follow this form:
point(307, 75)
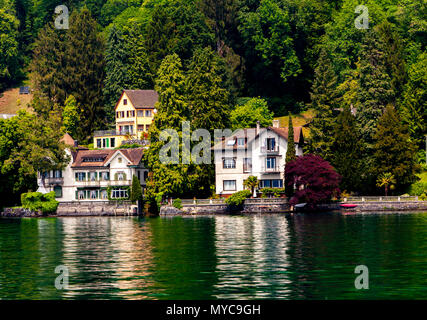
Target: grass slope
point(298, 120)
point(11, 101)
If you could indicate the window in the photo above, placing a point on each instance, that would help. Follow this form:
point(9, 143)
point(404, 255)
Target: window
point(140, 113)
point(140, 127)
point(125, 102)
point(58, 191)
point(105, 176)
point(231, 142)
point(122, 114)
point(127, 114)
point(119, 193)
point(229, 163)
point(145, 175)
point(247, 164)
point(81, 176)
point(132, 113)
point(81, 194)
point(273, 183)
point(147, 126)
point(117, 114)
point(139, 175)
point(93, 194)
point(104, 143)
point(120, 176)
point(119, 160)
point(148, 113)
point(57, 174)
point(113, 142)
point(104, 194)
point(241, 141)
point(271, 162)
point(92, 176)
point(229, 185)
point(98, 143)
point(271, 144)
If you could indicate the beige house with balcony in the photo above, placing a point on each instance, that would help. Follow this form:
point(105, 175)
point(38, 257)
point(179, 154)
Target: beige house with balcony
point(92, 174)
point(134, 113)
point(260, 152)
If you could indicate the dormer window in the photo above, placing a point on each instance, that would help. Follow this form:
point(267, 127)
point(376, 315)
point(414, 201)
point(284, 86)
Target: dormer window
point(231, 142)
point(125, 102)
point(241, 141)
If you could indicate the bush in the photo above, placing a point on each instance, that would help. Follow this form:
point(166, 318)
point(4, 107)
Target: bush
point(159, 199)
point(36, 201)
point(272, 191)
point(423, 197)
point(418, 188)
point(177, 203)
point(238, 198)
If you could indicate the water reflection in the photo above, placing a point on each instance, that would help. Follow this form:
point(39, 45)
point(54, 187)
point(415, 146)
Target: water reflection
point(252, 257)
point(257, 257)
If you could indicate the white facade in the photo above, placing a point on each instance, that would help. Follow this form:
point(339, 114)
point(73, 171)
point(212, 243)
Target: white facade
point(257, 152)
point(86, 178)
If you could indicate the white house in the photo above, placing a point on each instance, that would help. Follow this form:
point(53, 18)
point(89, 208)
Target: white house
point(260, 152)
point(92, 173)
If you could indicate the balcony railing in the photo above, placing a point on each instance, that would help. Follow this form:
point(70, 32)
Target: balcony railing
point(105, 133)
point(275, 169)
point(270, 150)
point(247, 168)
point(52, 181)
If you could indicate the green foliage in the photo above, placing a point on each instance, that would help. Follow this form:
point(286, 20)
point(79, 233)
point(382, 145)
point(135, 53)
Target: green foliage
point(272, 191)
point(268, 32)
point(418, 188)
point(290, 152)
point(324, 99)
point(251, 183)
point(71, 62)
point(177, 203)
point(393, 151)
point(27, 144)
point(247, 114)
point(386, 180)
point(374, 90)
point(347, 152)
point(36, 201)
point(238, 198)
point(70, 116)
point(414, 104)
point(8, 47)
point(136, 190)
point(159, 198)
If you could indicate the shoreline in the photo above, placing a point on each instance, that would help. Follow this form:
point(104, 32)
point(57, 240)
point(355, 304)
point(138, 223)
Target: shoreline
point(122, 210)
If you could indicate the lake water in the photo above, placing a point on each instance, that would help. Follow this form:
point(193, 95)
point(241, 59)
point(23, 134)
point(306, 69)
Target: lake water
point(311, 256)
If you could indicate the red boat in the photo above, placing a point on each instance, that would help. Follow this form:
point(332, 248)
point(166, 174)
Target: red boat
point(348, 205)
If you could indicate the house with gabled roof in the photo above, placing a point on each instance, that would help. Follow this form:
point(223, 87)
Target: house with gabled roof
point(94, 175)
point(259, 152)
point(134, 113)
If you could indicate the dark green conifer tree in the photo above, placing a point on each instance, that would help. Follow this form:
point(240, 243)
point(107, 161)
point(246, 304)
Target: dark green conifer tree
point(290, 152)
point(324, 100)
point(347, 151)
point(393, 150)
point(116, 71)
point(374, 87)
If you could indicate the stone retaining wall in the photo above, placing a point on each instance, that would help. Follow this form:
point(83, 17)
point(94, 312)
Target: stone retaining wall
point(95, 209)
point(391, 206)
point(19, 213)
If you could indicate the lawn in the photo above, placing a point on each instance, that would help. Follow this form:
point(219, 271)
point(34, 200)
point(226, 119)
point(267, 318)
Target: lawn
point(298, 120)
point(11, 101)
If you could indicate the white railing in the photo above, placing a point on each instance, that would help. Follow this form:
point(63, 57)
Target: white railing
point(202, 201)
point(380, 198)
point(265, 200)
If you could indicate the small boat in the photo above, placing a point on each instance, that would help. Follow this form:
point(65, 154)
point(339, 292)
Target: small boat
point(348, 205)
point(300, 205)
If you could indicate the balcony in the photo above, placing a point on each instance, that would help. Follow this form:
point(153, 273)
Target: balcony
point(85, 183)
point(54, 181)
point(105, 133)
point(275, 169)
point(270, 150)
point(247, 168)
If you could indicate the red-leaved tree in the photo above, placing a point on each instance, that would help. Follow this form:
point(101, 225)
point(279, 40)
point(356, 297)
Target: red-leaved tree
point(313, 180)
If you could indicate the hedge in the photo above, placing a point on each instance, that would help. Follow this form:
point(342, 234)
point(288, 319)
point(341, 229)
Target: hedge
point(37, 201)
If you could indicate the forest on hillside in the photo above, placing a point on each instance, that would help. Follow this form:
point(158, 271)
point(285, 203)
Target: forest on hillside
point(228, 63)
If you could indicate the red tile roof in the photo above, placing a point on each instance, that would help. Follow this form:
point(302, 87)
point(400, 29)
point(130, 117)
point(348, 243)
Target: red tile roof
point(142, 98)
point(298, 136)
point(99, 158)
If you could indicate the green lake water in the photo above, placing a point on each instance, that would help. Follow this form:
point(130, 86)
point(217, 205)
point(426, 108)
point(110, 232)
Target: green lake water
point(310, 256)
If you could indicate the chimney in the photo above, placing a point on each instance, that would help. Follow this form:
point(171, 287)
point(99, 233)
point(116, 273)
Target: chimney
point(257, 127)
point(276, 123)
point(76, 143)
